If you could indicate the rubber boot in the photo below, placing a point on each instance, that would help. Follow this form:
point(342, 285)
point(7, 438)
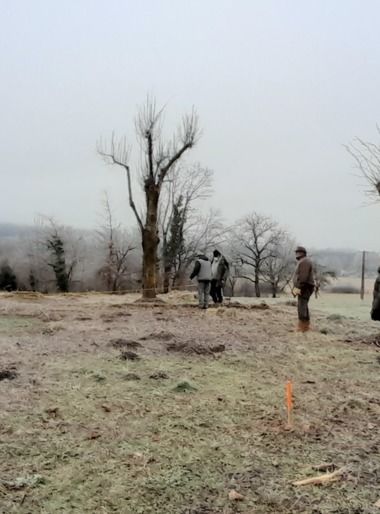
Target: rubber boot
point(303, 326)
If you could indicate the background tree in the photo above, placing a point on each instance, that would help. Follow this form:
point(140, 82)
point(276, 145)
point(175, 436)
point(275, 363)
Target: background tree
point(117, 248)
point(203, 233)
point(235, 273)
point(56, 247)
point(183, 189)
point(323, 277)
point(367, 159)
point(174, 243)
point(158, 159)
point(8, 279)
point(278, 268)
point(61, 259)
point(257, 237)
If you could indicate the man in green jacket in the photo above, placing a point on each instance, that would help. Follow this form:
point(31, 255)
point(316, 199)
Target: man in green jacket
point(375, 312)
point(303, 282)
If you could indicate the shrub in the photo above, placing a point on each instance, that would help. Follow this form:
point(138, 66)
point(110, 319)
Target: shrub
point(8, 279)
point(344, 290)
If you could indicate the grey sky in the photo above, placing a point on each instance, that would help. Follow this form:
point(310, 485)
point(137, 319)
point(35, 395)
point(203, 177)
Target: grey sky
point(279, 87)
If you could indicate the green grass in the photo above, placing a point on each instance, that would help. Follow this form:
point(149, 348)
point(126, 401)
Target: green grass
point(348, 305)
point(10, 325)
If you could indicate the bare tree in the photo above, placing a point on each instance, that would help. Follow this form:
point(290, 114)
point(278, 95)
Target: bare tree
point(117, 250)
point(203, 233)
point(278, 268)
point(183, 189)
point(158, 159)
point(257, 238)
point(367, 159)
point(235, 273)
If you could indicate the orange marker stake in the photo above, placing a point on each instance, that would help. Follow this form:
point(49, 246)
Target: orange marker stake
point(289, 401)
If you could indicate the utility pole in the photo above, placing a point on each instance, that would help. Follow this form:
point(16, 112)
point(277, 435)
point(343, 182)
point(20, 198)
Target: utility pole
point(362, 288)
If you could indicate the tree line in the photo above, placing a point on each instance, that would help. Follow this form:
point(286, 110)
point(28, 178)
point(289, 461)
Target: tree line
point(172, 226)
point(52, 257)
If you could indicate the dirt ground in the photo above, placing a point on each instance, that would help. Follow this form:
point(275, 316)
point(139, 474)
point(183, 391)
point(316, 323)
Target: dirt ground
point(108, 405)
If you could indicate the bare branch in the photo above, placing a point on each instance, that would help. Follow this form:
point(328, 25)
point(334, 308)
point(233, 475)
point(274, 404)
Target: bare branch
point(367, 158)
point(187, 137)
point(118, 154)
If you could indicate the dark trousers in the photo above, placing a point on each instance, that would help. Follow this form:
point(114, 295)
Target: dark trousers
point(303, 303)
point(216, 291)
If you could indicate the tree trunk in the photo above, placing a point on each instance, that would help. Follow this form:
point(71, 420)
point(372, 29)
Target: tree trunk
point(150, 241)
point(257, 285)
point(166, 266)
point(167, 273)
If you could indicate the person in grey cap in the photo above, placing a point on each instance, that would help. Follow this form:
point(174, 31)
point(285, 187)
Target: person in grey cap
point(303, 282)
point(375, 312)
point(202, 270)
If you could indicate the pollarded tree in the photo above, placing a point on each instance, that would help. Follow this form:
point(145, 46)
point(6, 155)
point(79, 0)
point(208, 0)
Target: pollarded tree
point(158, 159)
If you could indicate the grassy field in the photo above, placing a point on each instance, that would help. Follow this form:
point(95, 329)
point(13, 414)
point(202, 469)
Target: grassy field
point(348, 305)
point(194, 411)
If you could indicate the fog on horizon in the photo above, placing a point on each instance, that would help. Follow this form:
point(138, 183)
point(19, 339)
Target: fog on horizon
point(279, 87)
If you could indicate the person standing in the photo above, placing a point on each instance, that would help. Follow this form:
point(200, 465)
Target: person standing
point(202, 270)
point(220, 269)
point(375, 312)
point(303, 282)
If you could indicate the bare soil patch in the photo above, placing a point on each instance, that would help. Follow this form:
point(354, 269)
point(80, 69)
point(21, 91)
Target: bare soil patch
point(8, 374)
point(195, 348)
point(121, 343)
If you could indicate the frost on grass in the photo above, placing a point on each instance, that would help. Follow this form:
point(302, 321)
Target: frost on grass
point(188, 428)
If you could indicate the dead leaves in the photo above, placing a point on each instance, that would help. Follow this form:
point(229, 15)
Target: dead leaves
point(94, 434)
point(129, 356)
point(235, 496)
point(52, 412)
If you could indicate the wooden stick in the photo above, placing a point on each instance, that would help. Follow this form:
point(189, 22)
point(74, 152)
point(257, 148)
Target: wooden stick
point(322, 479)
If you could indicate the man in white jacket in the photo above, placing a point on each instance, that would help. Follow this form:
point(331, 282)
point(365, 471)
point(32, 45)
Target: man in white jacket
point(202, 270)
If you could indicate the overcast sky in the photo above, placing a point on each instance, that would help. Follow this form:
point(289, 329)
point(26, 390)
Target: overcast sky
point(279, 87)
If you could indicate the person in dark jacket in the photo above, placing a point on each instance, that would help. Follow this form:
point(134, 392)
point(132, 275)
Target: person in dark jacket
point(219, 269)
point(303, 282)
point(202, 270)
point(375, 312)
